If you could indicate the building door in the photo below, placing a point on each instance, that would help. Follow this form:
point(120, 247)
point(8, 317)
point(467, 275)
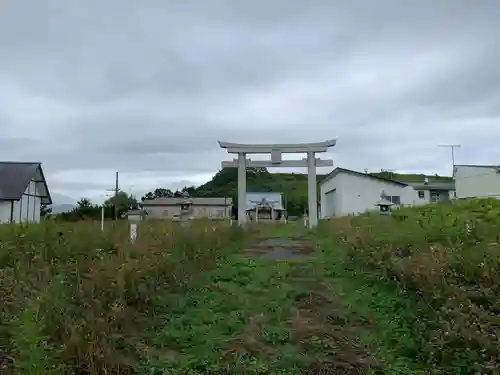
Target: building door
point(330, 203)
point(435, 196)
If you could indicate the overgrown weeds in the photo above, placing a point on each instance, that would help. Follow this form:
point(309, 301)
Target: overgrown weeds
point(75, 300)
point(447, 258)
point(256, 316)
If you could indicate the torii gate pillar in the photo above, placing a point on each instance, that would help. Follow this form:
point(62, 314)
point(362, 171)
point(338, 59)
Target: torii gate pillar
point(242, 188)
point(276, 151)
point(312, 194)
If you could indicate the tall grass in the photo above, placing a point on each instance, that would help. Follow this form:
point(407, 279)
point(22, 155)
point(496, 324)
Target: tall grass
point(75, 300)
point(446, 257)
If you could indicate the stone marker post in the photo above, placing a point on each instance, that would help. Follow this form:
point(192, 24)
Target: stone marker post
point(186, 214)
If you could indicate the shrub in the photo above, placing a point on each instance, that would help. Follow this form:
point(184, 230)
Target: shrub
point(74, 300)
point(447, 256)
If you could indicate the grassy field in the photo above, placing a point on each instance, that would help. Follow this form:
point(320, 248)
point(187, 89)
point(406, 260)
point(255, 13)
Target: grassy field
point(415, 293)
point(76, 300)
point(428, 279)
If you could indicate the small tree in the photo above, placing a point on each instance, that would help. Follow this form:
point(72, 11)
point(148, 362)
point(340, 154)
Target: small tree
point(158, 193)
point(123, 202)
point(45, 210)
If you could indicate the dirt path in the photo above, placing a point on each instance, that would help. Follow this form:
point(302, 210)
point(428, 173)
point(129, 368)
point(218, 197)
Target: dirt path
point(265, 313)
point(319, 324)
point(281, 248)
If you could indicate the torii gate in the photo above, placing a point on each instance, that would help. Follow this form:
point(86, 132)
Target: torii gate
point(276, 151)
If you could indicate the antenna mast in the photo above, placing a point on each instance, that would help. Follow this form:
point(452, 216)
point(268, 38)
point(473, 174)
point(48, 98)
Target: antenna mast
point(452, 147)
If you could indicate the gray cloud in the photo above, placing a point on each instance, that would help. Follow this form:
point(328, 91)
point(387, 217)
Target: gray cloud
point(147, 88)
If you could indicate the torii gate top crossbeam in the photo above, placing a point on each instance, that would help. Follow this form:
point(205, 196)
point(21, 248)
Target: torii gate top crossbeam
point(235, 148)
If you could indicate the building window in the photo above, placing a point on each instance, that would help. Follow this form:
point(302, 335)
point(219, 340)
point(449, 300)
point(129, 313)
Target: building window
point(421, 194)
point(396, 199)
point(220, 213)
point(165, 213)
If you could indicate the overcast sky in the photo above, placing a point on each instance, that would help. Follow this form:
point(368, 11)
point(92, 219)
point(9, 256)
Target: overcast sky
point(146, 88)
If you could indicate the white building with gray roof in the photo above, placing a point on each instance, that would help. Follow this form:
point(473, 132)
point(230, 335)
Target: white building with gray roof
point(23, 189)
point(347, 192)
point(433, 192)
point(170, 207)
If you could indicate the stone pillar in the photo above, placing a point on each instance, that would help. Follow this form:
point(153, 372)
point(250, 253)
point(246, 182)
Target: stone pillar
point(242, 188)
point(311, 190)
point(187, 210)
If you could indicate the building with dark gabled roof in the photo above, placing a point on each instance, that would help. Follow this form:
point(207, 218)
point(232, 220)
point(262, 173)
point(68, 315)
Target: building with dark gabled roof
point(23, 190)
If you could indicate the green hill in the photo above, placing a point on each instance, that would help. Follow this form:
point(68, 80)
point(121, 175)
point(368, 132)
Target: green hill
point(292, 185)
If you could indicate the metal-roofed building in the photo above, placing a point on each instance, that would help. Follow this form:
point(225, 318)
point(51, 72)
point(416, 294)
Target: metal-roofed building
point(477, 181)
point(268, 198)
point(266, 206)
point(170, 207)
point(347, 192)
point(433, 192)
point(23, 189)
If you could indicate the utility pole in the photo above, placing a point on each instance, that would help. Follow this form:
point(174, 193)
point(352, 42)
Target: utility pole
point(116, 197)
point(389, 172)
point(453, 147)
point(108, 193)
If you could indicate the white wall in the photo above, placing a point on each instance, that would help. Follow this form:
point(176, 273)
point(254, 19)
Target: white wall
point(425, 200)
point(330, 202)
point(4, 212)
point(330, 186)
point(471, 181)
point(213, 212)
point(27, 209)
point(169, 211)
point(358, 194)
